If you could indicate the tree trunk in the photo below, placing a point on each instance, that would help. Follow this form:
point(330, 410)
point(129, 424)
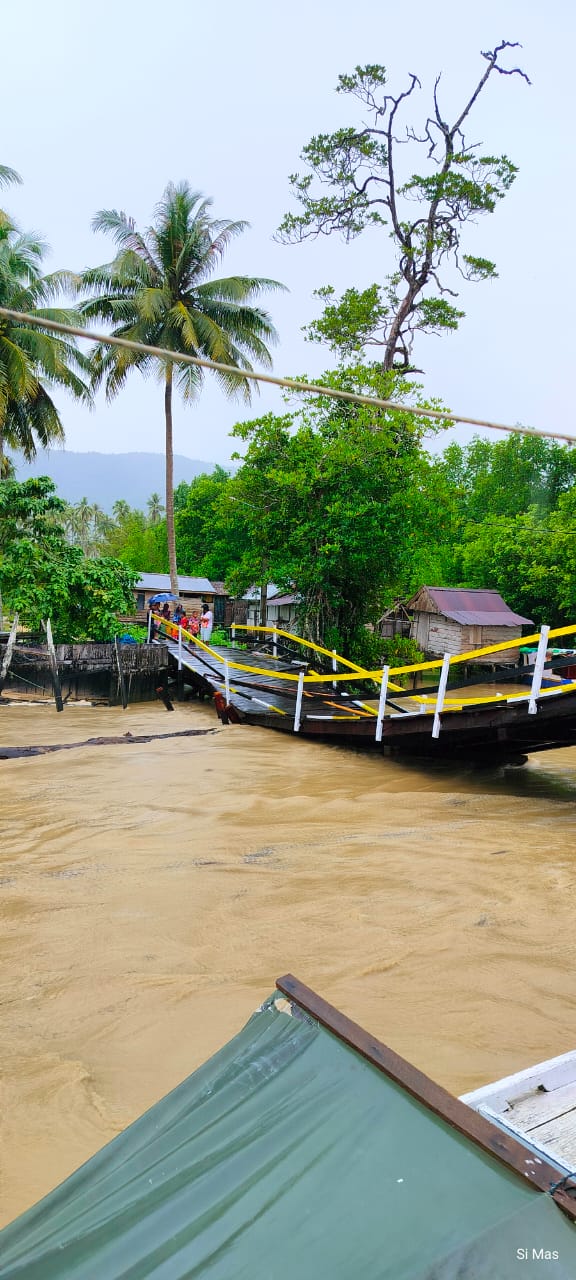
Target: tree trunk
point(263, 604)
point(170, 532)
point(395, 335)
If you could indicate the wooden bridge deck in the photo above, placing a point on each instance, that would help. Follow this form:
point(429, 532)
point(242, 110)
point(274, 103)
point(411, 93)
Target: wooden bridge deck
point(267, 699)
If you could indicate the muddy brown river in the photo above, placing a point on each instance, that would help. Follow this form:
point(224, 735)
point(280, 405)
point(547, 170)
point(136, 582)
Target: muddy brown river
point(151, 894)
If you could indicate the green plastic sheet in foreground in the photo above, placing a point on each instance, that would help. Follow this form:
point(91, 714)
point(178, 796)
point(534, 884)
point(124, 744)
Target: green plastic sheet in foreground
point(288, 1157)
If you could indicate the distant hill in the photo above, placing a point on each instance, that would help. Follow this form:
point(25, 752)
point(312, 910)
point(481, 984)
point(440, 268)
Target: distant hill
point(106, 477)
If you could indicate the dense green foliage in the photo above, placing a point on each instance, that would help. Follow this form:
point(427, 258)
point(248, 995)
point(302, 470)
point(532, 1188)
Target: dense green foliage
point(326, 498)
point(507, 519)
point(352, 517)
point(42, 576)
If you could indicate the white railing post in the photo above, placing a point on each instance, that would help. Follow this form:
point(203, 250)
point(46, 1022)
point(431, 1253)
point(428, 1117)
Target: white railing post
point(274, 644)
point(298, 710)
point(441, 695)
point(149, 624)
point(538, 670)
point(227, 680)
point(334, 668)
point(382, 702)
point(179, 648)
point(233, 631)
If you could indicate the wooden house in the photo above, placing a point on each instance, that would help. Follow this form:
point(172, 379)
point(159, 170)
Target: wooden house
point(281, 607)
point(282, 611)
point(395, 621)
point(454, 620)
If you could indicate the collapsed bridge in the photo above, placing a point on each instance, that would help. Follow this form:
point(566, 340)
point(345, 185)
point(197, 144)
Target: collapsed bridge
point(284, 682)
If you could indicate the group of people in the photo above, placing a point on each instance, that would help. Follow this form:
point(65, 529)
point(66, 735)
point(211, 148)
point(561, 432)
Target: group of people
point(197, 623)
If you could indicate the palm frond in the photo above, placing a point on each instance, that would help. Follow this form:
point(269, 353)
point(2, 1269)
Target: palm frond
point(240, 288)
point(9, 176)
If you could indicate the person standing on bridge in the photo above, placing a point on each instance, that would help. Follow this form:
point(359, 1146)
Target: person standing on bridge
point(206, 624)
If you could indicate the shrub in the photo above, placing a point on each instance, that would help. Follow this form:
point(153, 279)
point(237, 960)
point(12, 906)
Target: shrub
point(401, 651)
point(220, 637)
point(366, 649)
point(133, 630)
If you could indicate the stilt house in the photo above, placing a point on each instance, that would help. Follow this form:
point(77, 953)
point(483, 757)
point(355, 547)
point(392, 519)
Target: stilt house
point(454, 620)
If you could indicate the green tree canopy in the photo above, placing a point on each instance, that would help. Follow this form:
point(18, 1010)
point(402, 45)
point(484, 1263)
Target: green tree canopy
point(329, 496)
point(132, 538)
point(211, 532)
point(42, 576)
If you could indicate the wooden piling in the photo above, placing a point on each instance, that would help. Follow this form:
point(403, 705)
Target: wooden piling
point(54, 667)
point(8, 654)
point(121, 680)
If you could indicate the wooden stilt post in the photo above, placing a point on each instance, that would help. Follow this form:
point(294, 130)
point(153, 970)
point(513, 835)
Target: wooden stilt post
point(298, 710)
point(8, 654)
point(538, 670)
point(121, 680)
point(54, 668)
point(382, 702)
point(441, 695)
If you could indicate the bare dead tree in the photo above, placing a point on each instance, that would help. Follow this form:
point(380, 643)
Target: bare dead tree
point(352, 184)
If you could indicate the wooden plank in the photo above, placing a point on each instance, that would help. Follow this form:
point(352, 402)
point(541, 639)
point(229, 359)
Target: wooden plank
point(558, 1136)
point(8, 653)
point(511, 1153)
point(549, 1152)
point(537, 1108)
point(551, 1074)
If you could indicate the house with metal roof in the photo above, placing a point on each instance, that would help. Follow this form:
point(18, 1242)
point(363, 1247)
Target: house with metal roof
point(281, 607)
point(194, 592)
point(283, 610)
point(455, 619)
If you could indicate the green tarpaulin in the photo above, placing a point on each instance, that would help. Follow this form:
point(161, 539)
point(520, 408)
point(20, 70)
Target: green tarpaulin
point(289, 1157)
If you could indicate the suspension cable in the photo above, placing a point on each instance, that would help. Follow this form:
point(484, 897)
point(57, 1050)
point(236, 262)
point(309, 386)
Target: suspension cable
point(308, 388)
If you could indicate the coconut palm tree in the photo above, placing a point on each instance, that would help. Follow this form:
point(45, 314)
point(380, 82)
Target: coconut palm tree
point(155, 508)
point(160, 290)
point(33, 360)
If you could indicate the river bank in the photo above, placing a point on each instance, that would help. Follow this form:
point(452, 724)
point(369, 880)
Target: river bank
point(151, 894)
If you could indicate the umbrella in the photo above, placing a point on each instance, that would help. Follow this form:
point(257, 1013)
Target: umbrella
point(161, 597)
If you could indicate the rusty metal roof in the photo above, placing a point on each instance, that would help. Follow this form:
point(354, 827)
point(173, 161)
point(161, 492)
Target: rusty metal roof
point(285, 598)
point(475, 608)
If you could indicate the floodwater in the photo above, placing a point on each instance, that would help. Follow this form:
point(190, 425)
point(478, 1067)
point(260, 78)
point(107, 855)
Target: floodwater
point(151, 894)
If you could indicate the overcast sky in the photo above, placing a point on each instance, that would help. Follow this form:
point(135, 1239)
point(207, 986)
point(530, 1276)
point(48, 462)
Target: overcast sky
point(104, 104)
